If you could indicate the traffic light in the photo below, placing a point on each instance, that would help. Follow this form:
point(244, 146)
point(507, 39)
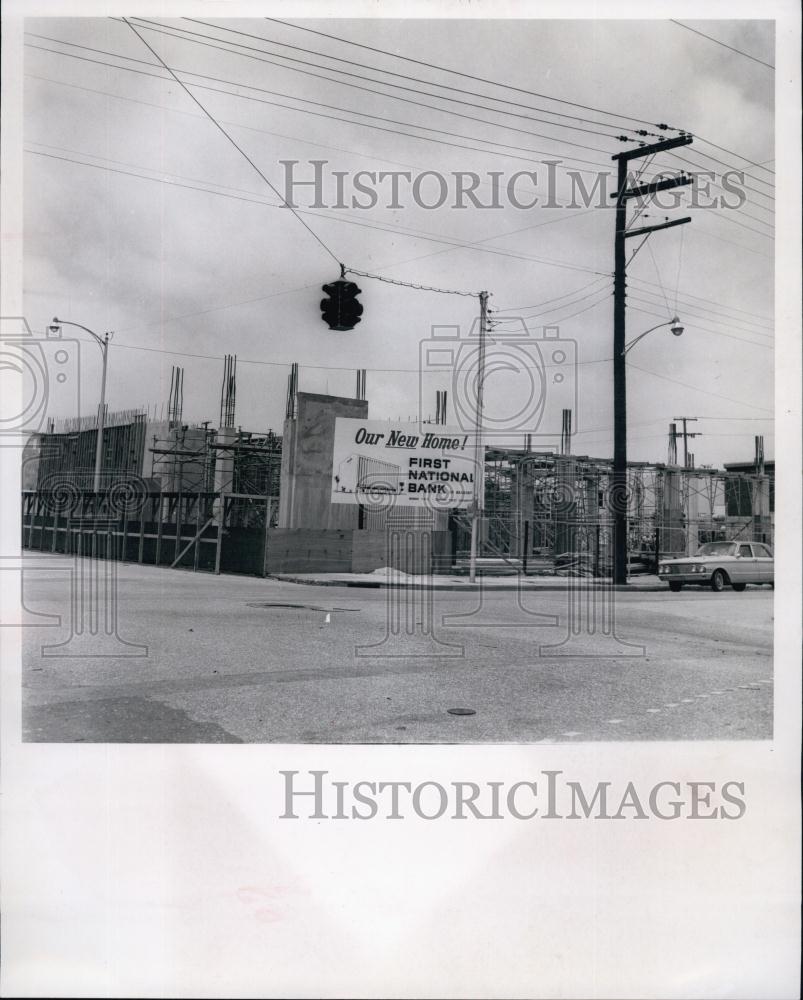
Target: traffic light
point(341, 310)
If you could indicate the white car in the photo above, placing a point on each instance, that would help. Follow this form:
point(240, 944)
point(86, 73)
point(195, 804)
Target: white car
point(718, 564)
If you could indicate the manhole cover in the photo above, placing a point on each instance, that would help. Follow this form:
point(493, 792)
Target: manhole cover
point(461, 711)
point(294, 607)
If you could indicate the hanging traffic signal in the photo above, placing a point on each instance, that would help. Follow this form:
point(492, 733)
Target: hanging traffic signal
point(341, 310)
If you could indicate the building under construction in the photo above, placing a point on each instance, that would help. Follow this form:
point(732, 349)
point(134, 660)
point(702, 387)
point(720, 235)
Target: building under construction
point(221, 498)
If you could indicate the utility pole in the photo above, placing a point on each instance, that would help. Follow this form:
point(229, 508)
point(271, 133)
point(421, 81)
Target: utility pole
point(479, 449)
point(104, 347)
point(623, 194)
point(686, 435)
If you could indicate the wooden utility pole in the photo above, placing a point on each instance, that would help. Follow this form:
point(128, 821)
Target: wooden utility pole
point(618, 502)
point(686, 435)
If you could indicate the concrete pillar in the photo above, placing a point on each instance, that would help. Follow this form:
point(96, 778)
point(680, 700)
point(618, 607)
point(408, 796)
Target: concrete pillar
point(761, 509)
point(672, 535)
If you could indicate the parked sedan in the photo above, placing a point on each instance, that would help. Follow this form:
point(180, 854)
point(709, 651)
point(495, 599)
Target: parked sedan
point(719, 564)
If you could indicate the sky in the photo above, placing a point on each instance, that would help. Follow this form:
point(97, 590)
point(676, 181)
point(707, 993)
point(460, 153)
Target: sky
point(143, 218)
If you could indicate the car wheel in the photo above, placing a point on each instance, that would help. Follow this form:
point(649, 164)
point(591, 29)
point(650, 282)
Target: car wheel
point(718, 580)
point(675, 585)
point(739, 587)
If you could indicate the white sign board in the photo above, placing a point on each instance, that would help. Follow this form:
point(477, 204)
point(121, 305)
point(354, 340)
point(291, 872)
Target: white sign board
point(382, 464)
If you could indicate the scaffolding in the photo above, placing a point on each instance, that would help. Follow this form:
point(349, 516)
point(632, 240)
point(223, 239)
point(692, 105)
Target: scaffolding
point(554, 509)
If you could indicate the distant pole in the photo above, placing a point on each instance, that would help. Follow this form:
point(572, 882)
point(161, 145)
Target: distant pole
point(104, 347)
point(103, 344)
point(686, 435)
point(479, 450)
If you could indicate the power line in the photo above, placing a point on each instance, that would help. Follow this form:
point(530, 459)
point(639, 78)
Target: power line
point(304, 100)
point(377, 69)
point(329, 368)
point(232, 141)
point(705, 329)
point(145, 177)
point(182, 33)
point(348, 221)
point(741, 156)
point(521, 90)
point(739, 246)
point(605, 291)
point(695, 163)
point(715, 317)
point(733, 167)
point(469, 76)
point(329, 117)
point(250, 128)
point(717, 214)
point(696, 388)
point(724, 45)
point(688, 295)
point(415, 235)
point(746, 187)
point(537, 305)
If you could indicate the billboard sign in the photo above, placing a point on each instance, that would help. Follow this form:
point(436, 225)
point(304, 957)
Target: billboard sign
point(378, 463)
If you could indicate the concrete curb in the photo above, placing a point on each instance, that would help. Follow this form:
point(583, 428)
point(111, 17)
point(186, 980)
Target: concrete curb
point(529, 585)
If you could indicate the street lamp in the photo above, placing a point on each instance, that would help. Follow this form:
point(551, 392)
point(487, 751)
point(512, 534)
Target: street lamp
point(103, 344)
point(619, 489)
point(674, 325)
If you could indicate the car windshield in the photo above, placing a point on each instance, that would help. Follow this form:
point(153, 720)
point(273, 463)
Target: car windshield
point(717, 549)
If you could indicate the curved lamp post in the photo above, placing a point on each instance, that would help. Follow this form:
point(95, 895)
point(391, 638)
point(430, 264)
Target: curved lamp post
point(103, 344)
point(674, 324)
point(620, 445)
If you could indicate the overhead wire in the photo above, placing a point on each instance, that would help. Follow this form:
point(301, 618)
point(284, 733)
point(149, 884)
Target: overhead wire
point(506, 86)
point(694, 311)
point(604, 291)
point(330, 117)
point(375, 69)
point(697, 326)
point(724, 45)
point(185, 34)
point(697, 388)
point(537, 305)
point(457, 244)
point(233, 142)
point(445, 69)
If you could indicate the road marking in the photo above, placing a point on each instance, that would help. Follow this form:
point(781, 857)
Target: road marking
point(655, 711)
point(571, 733)
point(703, 695)
point(717, 692)
point(672, 704)
point(687, 701)
point(613, 722)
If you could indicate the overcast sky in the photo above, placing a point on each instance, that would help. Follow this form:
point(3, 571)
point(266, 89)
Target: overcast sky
point(190, 274)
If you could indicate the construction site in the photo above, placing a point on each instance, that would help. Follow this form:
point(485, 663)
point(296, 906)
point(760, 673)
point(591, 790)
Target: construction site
point(215, 497)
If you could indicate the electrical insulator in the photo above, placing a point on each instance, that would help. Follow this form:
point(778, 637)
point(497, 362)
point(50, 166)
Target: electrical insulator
point(341, 310)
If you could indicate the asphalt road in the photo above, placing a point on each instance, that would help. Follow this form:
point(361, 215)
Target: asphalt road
point(239, 659)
